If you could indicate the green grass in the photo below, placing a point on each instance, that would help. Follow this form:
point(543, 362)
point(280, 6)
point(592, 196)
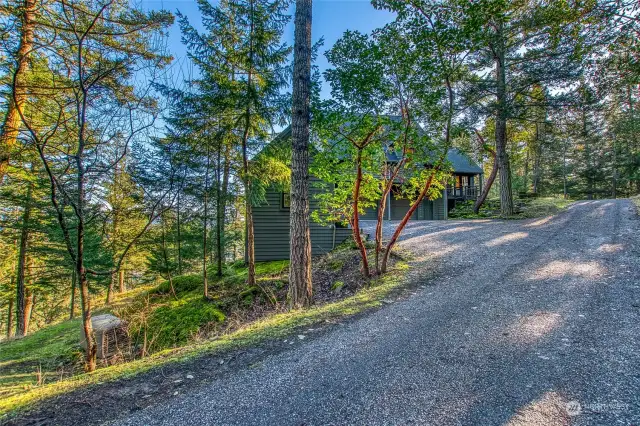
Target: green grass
point(525, 208)
point(60, 341)
point(49, 350)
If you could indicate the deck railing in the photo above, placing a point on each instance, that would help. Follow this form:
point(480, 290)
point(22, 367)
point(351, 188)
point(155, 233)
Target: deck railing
point(463, 192)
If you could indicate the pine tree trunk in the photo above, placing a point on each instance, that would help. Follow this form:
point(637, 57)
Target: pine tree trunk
point(506, 195)
point(22, 265)
point(179, 236)
point(300, 284)
point(223, 209)
point(85, 298)
point(112, 286)
point(72, 303)
point(121, 287)
point(11, 125)
point(10, 318)
point(204, 244)
point(28, 309)
point(250, 250)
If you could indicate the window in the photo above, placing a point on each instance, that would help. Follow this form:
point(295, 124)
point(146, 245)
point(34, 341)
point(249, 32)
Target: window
point(286, 200)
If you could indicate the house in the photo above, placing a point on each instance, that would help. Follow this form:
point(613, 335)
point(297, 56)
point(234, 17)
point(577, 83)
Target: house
point(271, 218)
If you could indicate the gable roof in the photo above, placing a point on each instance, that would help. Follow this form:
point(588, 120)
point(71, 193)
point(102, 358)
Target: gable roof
point(460, 161)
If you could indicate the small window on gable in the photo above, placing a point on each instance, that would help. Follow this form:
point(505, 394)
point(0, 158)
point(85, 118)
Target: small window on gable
point(286, 200)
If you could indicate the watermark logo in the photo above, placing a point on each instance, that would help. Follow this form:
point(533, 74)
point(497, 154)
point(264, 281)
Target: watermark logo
point(573, 408)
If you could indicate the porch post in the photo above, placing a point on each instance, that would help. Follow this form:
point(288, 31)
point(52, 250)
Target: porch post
point(389, 206)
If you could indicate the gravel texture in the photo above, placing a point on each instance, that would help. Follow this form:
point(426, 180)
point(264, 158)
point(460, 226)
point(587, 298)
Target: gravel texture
point(525, 323)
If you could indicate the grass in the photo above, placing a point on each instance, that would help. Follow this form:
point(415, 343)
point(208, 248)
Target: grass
point(57, 340)
point(525, 208)
point(636, 202)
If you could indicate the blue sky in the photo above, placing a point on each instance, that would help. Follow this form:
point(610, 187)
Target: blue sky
point(331, 18)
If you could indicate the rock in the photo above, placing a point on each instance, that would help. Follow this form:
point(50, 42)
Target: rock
point(111, 335)
point(189, 376)
point(301, 336)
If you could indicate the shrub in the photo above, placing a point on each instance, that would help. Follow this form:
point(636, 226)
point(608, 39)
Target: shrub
point(181, 284)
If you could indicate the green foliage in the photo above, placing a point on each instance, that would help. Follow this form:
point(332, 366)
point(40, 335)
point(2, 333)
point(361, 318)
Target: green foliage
point(180, 320)
point(181, 284)
point(525, 208)
point(337, 285)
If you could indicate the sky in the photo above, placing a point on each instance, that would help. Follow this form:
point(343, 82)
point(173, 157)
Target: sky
point(331, 18)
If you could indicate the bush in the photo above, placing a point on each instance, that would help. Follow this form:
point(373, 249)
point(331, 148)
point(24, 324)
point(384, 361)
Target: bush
point(180, 320)
point(181, 284)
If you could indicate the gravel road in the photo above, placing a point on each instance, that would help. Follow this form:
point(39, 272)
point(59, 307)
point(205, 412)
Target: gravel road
point(527, 323)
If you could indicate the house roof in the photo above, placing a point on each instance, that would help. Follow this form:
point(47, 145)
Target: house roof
point(460, 161)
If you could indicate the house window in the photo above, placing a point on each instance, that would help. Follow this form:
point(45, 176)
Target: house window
point(286, 200)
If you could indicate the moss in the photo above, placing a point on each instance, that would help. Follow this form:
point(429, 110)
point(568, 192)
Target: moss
point(335, 264)
point(182, 284)
point(337, 285)
point(180, 320)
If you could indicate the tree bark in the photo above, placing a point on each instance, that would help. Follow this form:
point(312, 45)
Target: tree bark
point(403, 222)
point(300, 284)
point(250, 250)
point(205, 223)
point(355, 220)
point(506, 195)
point(10, 318)
point(11, 125)
point(121, 287)
point(179, 236)
point(72, 303)
point(22, 264)
point(492, 176)
point(28, 309)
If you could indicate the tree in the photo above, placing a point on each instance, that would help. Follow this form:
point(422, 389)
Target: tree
point(9, 132)
point(300, 285)
point(91, 104)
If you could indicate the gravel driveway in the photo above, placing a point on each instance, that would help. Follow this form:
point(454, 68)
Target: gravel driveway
point(527, 323)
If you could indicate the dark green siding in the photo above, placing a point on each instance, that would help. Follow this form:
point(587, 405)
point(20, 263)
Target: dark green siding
point(271, 224)
point(271, 229)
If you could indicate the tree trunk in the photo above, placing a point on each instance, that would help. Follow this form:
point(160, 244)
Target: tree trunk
point(300, 285)
point(72, 303)
point(112, 285)
point(205, 223)
point(121, 287)
point(10, 318)
point(506, 195)
point(223, 209)
point(405, 219)
point(492, 176)
point(564, 171)
point(179, 236)
point(28, 309)
point(250, 253)
point(355, 220)
point(11, 125)
point(165, 257)
point(22, 265)
point(380, 221)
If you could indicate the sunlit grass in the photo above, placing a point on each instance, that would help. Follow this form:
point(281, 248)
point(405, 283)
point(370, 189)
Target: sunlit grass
point(525, 208)
point(273, 326)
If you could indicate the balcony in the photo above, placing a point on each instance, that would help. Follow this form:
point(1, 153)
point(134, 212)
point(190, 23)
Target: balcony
point(462, 192)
